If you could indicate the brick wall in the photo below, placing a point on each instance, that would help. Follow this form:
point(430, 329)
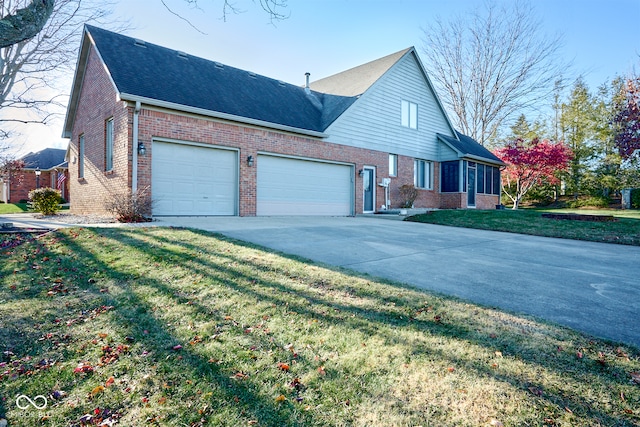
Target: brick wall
point(24, 181)
point(97, 103)
point(250, 141)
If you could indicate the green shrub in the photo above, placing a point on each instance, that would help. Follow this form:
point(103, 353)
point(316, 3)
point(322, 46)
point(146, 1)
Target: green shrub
point(635, 198)
point(44, 200)
point(592, 202)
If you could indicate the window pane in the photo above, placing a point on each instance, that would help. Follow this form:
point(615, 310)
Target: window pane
point(488, 181)
point(109, 146)
point(413, 115)
point(480, 179)
point(496, 181)
point(405, 113)
point(449, 177)
point(393, 165)
point(81, 157)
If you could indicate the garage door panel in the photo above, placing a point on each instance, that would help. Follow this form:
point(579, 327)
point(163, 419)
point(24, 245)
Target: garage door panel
point(193, 180)
point(303, 187)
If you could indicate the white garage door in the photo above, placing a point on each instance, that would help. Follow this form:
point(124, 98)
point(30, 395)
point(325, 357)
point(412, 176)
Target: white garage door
point(193, 180)
point(303, 187)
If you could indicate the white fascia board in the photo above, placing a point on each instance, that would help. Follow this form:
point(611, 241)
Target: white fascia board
point(483, 159)
point(219, 115)
point(433, 90)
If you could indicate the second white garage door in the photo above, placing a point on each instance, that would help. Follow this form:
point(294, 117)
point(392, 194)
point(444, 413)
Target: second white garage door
point(289, 186)
point(193, 180)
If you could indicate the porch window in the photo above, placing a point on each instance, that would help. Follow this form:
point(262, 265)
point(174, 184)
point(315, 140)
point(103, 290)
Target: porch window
point(450, 177)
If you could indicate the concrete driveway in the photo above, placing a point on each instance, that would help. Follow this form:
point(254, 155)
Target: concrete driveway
point(592, 287)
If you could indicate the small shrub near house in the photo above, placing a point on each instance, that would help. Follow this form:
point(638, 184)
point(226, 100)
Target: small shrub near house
point(45, 200)
point(131, 207)
point(408, 195)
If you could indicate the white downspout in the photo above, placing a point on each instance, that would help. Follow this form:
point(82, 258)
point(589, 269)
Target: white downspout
point(134, 157)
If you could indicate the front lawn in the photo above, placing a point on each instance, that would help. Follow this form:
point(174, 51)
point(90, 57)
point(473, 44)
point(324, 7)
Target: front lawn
point(624, 230)
point(174, 327)
point(9, 208)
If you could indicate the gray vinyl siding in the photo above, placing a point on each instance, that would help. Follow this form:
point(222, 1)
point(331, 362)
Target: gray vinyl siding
point(446, 153)
point(374, 121)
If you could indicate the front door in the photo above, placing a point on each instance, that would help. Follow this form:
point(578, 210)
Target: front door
point(471, 185)
point(368, 188)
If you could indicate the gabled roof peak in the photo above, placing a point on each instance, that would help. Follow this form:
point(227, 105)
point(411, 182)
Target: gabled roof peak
point(355, 81)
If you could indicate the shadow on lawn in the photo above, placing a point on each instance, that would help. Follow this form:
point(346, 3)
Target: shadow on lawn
point(365, 320)
point(140, 319)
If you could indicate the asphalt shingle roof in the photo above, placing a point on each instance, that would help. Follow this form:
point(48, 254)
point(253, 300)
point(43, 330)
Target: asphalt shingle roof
point(46, 159)
point(357, 80)
point(154, 72)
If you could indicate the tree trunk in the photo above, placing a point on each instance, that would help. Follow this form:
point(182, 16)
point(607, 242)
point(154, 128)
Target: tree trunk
point(25, 23)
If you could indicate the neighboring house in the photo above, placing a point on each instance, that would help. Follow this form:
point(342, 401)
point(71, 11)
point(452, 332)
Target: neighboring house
point(209, 139)
point(46, 168)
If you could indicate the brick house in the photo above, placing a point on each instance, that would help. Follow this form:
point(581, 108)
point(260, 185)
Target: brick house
point(41, 169)
point(209, 139)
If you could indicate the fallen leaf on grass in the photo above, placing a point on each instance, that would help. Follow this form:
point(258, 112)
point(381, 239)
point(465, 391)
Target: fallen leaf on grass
point(239, 375)
point(177, 347)
point(322, 371)
point(281, 398)
point(83, 368)
point(109, 382)
point(162, 400)
point(495, 423)
point(283, 366)
point(96, 391)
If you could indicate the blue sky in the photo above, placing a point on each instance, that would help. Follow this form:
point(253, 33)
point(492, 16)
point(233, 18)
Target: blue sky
point(323, 37)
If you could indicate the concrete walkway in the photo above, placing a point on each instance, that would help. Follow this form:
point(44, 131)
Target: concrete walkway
point(591, 287)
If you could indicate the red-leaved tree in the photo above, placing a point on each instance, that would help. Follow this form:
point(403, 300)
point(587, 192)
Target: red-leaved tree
point(529, 164)
point(627, 119)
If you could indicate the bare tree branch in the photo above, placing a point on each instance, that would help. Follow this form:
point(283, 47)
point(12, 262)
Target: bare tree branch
point(25, 23)
point(491, 66)
point(31, 70)
point(271, 7)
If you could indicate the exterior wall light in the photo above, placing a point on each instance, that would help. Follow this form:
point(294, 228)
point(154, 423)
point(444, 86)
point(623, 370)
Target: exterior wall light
point(38, 172)
point(142, 149)
point(361, 172)
point(250, 161)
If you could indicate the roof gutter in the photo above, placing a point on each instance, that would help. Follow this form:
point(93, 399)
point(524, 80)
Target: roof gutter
point(219, 115)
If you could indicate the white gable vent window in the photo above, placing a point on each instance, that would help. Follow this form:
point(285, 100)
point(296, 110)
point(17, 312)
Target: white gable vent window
point(409, 114)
